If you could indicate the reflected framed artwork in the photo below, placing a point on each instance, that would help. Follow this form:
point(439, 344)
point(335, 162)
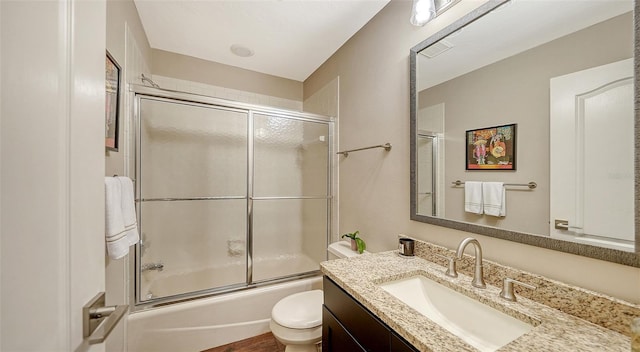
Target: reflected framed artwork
point(491, 148)
point(112, 103)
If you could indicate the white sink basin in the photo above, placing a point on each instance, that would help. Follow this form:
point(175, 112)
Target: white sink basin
point(479, 325)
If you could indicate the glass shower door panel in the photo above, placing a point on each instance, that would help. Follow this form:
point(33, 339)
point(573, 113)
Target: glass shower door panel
point(290, 157)
point(191, 150)
point(200, 245)
point(290, 237)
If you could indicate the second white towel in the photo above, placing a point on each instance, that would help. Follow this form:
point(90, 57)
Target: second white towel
point(494, 198)
point(473, 197)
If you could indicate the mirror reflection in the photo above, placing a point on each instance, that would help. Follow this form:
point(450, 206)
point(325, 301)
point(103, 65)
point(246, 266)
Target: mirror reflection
point(564, 81)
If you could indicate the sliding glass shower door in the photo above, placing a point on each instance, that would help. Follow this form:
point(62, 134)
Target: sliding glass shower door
point(193, 197)
point(290, 195)
point(228, 197)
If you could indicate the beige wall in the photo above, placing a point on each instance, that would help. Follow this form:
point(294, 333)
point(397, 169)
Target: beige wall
point(523, 98)
point(128, 44)
point(373, 67)
point(197, 70)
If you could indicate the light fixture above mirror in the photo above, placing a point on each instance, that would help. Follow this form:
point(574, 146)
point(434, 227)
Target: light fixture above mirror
point(424, 11)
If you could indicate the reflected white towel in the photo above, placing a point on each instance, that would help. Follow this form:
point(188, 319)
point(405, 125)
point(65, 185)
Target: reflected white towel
point(493, 198)
point(129, 210)
point(473, 197)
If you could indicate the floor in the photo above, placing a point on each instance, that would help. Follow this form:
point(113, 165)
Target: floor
point(261, 343)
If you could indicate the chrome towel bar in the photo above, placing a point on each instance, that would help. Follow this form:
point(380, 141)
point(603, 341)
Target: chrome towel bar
point(386, 146)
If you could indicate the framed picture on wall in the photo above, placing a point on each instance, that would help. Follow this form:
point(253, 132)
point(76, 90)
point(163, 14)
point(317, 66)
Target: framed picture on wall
point(112, 103)
point(492, 148)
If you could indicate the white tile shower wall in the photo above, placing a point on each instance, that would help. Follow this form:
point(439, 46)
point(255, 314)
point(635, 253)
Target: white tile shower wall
point(226, 93)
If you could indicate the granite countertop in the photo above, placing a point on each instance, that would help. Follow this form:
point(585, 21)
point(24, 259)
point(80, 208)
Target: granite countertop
point(553, 330)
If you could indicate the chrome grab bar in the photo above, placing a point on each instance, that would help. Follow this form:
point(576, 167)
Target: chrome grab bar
point(98, 320)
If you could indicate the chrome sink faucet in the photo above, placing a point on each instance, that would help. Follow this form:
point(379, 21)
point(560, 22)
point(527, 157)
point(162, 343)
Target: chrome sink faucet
point(478, 274)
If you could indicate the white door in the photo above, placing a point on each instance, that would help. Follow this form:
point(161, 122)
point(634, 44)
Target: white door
point(430, 155)
point(52, 168)
point(592, 158)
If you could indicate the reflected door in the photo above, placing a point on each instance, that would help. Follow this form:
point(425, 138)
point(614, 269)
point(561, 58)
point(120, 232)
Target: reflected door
point(592, 136)
point(426, 174)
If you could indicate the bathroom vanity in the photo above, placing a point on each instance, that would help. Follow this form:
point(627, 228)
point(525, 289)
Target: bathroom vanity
point(360, 314)
point(349, 326)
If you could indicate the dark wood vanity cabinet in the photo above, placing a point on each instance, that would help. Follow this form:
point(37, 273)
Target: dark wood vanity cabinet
point(347, 326)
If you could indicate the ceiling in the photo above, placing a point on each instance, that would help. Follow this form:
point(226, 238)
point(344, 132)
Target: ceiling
point(289, 38)
point(515, 27)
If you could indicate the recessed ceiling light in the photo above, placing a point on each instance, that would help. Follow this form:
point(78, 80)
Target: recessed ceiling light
point(241, 51)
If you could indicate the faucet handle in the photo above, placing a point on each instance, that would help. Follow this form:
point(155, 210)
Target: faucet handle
point(507, 288)
point(451, 267)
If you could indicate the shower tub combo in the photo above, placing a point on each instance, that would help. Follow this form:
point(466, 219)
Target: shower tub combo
point(234, 208)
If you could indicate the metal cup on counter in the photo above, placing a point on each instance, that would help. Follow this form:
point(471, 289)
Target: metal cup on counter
point(406, 247)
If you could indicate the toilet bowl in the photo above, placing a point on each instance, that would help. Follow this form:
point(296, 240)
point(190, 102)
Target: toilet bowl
point(296, 320)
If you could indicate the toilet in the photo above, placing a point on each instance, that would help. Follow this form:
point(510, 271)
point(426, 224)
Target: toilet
point(296, 320)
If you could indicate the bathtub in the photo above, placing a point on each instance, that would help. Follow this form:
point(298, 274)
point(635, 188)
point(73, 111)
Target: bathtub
point(209, 322)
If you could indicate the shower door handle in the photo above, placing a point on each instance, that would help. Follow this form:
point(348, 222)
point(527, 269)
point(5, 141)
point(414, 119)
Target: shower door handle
point(99, 320)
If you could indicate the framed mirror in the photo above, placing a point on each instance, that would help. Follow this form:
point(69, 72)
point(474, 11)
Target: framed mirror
point(551, 85)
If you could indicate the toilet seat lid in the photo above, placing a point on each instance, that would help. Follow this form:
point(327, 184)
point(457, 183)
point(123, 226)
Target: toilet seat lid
point(300, 310)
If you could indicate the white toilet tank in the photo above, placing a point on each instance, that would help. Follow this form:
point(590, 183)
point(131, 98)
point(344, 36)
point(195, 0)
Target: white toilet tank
point(341, 249)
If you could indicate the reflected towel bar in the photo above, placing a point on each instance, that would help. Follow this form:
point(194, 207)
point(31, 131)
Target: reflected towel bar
point(132, 179)
point(531, 185)
point(386, 146)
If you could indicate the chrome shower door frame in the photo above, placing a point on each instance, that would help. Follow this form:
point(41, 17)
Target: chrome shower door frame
point(143, 92)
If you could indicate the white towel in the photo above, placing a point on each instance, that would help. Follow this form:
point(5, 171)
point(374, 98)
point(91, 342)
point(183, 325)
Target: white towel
point(121, 229)
point(493, 198)
point(129, 210)
point(473, 197)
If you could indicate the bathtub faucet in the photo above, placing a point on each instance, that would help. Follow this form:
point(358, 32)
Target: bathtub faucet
point(151, 266)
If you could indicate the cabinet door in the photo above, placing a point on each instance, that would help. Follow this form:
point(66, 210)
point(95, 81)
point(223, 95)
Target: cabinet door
point(335, 337)
point(398, 344)
point(368, 330)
